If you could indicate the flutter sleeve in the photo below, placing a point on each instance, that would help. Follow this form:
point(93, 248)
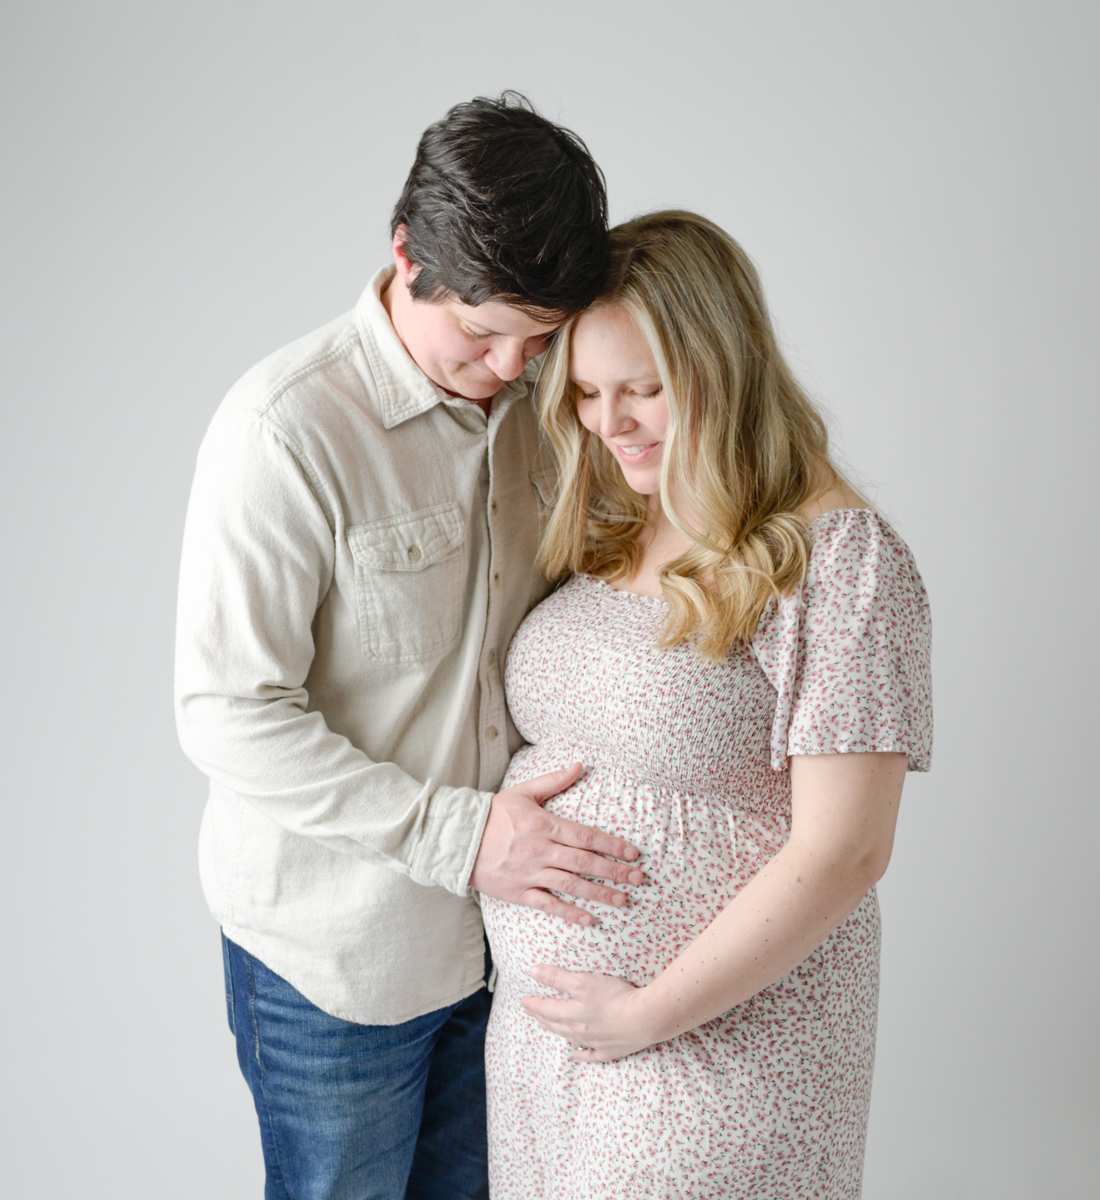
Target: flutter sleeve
point(849, 654)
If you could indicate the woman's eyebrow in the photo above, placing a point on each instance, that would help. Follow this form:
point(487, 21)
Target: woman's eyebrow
point(654, 378)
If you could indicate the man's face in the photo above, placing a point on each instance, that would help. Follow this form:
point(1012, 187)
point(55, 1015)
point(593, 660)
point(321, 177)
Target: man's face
point(469, 350)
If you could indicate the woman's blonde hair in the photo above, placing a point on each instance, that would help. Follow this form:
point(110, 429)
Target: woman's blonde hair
point(744, 448)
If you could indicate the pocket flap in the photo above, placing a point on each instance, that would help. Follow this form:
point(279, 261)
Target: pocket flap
point(545, 480)
point(410, 541)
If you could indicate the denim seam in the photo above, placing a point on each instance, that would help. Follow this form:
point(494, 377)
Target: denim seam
point(260, 1078)
point(230, 990)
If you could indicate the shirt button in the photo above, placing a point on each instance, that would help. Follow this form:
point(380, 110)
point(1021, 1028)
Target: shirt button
point(493, 507)
point(491, 733)
point(414, 554)
point(496, 579)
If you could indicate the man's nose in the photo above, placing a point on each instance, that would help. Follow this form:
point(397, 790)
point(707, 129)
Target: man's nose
point(506, 360)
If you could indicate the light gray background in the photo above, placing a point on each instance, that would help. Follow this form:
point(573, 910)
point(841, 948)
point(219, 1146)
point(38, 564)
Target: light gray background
point(187, 187)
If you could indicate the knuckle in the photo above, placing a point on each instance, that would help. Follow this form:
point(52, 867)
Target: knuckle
point(581, 862)
point(586, 837)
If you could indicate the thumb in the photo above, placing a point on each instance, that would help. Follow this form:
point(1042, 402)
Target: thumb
point(543, 787)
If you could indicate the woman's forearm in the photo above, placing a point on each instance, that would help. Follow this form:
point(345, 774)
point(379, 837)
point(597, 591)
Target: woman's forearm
point(844, 815)
point(775, 922)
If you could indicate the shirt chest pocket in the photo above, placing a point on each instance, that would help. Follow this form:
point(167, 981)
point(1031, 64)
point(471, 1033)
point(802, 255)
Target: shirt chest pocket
point(410, 580)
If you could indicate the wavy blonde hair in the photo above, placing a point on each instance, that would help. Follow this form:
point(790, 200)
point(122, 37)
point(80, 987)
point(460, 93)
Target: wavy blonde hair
point(744, 448)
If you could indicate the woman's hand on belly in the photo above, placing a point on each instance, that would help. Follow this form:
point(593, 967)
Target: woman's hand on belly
point(844, 810)
point(603, 1017)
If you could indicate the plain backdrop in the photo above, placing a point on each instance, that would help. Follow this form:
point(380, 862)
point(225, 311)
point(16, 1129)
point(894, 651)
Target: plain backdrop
point(187, 187)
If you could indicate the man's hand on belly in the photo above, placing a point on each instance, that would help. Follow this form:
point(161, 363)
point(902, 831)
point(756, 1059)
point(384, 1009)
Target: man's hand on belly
point(526, 851)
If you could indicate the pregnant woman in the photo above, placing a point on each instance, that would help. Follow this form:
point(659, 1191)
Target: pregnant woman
point(739, 656)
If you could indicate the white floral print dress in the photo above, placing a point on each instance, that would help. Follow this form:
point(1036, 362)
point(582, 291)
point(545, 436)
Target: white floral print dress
point(686, 758)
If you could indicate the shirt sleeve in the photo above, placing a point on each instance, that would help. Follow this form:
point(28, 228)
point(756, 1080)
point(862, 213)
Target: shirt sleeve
point(258, 558)
point(849, 655)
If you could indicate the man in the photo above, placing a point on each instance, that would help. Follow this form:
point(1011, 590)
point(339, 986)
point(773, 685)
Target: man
point(358, 553)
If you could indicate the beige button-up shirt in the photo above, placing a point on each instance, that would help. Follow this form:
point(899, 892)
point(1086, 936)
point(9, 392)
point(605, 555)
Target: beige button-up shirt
point(359, 550)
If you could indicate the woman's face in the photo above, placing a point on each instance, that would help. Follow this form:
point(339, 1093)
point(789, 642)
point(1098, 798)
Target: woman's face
point(619, 393)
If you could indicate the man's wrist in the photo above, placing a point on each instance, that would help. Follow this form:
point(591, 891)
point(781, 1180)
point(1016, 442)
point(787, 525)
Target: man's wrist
point(477, 839)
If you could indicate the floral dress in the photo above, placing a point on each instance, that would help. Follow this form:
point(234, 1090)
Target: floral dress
point(686, 758)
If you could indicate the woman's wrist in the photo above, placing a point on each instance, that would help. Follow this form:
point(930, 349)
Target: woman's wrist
point(652, 1015)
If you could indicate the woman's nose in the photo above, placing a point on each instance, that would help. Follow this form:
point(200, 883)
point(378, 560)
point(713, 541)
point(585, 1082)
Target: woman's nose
point(613, 419)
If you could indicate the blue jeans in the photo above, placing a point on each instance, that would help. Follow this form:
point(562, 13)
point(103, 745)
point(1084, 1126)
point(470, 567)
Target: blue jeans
point(360, 1112)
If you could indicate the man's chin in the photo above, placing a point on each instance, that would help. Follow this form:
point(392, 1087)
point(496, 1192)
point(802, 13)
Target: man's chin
point(476, 389)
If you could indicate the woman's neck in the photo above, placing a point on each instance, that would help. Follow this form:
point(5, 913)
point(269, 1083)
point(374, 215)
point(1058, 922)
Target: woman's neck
point(659, 543)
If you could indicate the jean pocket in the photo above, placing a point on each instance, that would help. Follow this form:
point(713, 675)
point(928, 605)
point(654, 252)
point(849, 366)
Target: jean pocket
point(409, 582)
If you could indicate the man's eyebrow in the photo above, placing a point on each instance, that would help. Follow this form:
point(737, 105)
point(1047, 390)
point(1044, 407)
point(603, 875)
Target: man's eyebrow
point(478, 327)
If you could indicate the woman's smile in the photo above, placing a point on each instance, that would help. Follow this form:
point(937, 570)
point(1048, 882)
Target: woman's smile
point(620, 397)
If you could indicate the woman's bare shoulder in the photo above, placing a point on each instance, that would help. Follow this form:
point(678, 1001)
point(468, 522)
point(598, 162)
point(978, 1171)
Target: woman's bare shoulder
point(834, 493)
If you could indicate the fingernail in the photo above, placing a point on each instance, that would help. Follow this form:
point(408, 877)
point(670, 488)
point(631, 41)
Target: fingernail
point(635, 877)
point(586, 920)
point(618, 898)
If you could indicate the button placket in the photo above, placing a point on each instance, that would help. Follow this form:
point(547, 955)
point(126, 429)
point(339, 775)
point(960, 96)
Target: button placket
point(493, 716)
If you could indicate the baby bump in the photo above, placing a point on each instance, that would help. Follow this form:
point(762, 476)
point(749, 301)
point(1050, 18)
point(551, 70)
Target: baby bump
point(696, 852)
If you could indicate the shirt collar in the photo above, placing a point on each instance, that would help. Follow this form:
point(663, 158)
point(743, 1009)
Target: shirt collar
point(404, 390)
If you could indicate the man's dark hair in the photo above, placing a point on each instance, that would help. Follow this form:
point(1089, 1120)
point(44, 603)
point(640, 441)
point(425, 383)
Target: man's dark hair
point(502, 204)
